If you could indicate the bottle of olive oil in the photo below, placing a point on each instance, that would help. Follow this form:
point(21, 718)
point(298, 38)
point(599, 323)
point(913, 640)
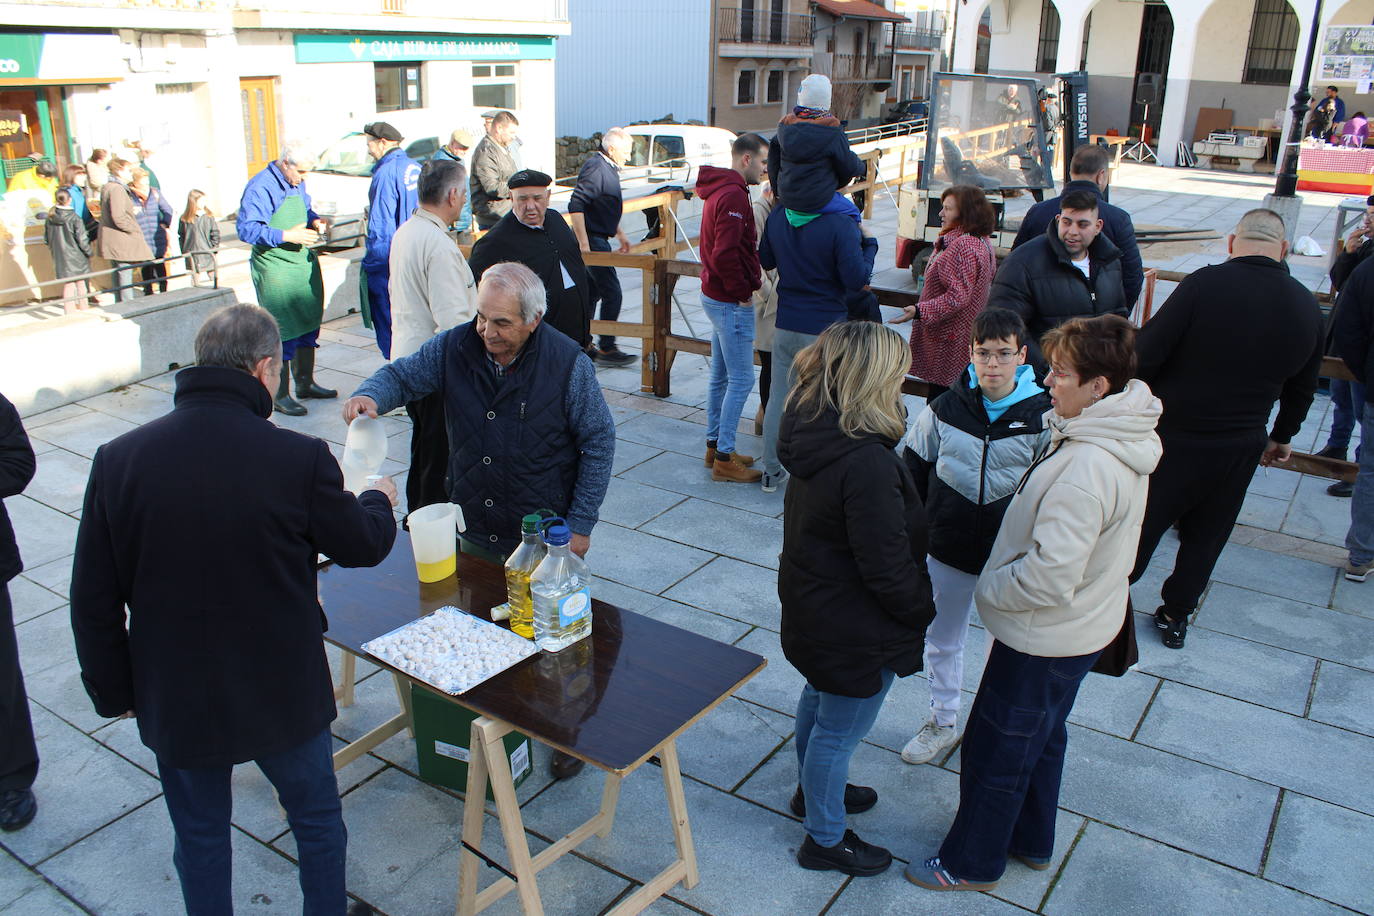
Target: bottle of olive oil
point(518, 569)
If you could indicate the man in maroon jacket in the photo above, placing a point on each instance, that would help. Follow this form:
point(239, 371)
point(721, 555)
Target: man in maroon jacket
point(729, 275)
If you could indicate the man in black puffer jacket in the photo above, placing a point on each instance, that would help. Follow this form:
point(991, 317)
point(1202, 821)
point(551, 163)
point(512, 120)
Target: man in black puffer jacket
point(1071, 271)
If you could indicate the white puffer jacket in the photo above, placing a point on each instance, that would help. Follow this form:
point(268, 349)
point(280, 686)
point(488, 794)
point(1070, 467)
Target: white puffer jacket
point(1055, 584)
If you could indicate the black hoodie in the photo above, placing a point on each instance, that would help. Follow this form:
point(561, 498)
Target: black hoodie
point(852, 576)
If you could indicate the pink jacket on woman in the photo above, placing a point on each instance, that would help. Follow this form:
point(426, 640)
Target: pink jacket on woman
point(957, 281)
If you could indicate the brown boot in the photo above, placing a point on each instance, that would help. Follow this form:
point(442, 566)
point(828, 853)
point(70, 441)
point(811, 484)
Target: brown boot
point(726, 468)
point(710, 456)
point(744, 461)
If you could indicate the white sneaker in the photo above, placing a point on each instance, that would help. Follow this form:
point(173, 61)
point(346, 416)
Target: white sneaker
point(929, 741)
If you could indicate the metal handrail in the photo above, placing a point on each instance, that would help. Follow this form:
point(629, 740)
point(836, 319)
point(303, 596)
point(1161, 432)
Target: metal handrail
point(110, 272)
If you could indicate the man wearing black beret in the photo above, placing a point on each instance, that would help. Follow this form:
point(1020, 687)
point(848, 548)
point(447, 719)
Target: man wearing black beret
point(539, 238)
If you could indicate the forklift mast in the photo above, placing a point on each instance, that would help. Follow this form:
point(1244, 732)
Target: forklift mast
point(1073, 105)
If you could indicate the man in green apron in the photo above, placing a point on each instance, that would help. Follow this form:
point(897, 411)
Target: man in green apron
point(276, 219)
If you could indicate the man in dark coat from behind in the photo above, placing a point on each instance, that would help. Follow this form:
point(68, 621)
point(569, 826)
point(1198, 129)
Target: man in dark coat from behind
point(541, 239)
point(205, 524)
point(18, 753)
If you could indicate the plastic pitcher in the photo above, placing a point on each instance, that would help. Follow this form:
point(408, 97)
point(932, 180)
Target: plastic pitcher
point(434, 541)
point(364, 452)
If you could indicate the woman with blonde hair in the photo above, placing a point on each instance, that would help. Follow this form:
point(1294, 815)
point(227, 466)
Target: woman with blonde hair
point(852, 576)
point(1052, 595)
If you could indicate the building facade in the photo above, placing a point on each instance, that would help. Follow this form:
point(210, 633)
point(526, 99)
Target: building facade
point(1177, 56)
point(217, 86)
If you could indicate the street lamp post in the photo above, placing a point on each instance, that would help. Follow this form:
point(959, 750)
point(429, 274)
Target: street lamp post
point(1286, 183)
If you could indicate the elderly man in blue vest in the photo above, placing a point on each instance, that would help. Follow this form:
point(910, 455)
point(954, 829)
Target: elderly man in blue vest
point(528, 426)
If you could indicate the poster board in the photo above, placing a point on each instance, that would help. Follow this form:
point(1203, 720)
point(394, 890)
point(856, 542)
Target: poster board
point(1347, 53)
point(1211, 119)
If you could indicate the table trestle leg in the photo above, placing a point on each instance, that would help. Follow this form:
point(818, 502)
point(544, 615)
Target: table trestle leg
point(684, 867)
point(344, 693)
point(474, 810)
point(403, 697)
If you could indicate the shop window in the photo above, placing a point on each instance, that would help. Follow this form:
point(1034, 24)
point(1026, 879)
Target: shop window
point(774, 92)
point(1047, 55)
point(493, 86)
point(744, 88)
point(1273, 44)
point(398, 86)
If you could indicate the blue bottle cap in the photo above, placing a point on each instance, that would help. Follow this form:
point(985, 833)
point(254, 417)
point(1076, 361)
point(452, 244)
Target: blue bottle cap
point(557, 535)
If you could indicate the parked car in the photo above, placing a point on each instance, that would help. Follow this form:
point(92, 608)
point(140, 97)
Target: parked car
point(906, 110)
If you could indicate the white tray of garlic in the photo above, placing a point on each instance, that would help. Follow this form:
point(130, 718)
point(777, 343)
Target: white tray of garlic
point(451, 649)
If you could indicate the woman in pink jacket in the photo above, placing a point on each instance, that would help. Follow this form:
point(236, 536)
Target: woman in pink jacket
point(956, 285)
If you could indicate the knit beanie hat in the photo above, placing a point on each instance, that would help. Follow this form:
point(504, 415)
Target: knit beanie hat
point(814, 92)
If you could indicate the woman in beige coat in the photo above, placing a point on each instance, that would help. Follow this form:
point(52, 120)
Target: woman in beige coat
point(120, 239)
point(1053, 595)
point(765, 311)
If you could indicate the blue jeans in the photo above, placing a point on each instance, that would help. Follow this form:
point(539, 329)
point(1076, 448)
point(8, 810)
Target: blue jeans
point(1360, 540)
point(786, 346)
point(123, 277)
point(732, 368)
point(1012, 761)
point(829, 728)
point(379, 305)
point(200, 803)
point(606, 288)
point(1347, 400)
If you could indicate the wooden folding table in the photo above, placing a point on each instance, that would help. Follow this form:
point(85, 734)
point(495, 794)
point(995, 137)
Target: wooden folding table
point(615, 700)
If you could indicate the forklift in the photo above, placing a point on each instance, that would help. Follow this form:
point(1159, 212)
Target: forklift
point(998, 133)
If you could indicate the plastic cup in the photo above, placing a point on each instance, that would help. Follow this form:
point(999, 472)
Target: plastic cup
point(434, 541)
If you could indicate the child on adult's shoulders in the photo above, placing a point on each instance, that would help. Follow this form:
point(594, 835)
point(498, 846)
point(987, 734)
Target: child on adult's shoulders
point(809, 157)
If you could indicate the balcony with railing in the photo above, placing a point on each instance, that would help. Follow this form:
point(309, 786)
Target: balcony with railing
point(861, 68)
point(764, 27)
point(915, 39)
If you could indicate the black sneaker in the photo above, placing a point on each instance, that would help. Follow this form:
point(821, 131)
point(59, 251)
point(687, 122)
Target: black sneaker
point(1341, 488)
point(851, 855)
point(1174, 631)
point(1331, 452)
point(614, 357)
point(857, 800)
point(17, 808)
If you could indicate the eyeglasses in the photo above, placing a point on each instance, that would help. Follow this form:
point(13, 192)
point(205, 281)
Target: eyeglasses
point(988, 357)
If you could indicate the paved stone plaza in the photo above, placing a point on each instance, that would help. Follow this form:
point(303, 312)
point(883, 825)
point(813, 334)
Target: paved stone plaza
point(1230, 777)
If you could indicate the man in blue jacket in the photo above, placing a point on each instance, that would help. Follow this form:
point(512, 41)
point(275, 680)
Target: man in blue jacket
point(823, 260)
point(1088, 171)
point(391, 199)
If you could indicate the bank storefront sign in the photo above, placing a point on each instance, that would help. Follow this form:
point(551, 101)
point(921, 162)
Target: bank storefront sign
point(339, 49)
point(56, 57)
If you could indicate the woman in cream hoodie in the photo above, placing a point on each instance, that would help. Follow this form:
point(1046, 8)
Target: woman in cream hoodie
point(1052, 595)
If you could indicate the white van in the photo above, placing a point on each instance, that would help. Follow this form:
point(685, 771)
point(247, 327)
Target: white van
point(338, 185)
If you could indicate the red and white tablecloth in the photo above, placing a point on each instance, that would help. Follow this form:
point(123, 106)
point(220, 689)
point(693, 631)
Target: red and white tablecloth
point(1358, 161)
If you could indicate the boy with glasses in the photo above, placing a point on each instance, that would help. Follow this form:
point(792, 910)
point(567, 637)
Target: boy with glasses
point(967, 452)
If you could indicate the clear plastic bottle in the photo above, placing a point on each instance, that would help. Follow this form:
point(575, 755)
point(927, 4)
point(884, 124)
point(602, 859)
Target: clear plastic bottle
point(519, 566)
point(562, 593)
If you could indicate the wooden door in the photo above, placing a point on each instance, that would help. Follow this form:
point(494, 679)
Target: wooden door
point(259, 101)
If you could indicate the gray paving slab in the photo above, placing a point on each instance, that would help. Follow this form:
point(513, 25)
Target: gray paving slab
point(1315, 515)
point(631, 504)
point(1354, 597)
point(730, 532)
point(256, 809)
point(704, 623)
point(1147, 878)
point(354, 360)
point(43, 534)
point(1288, 624)
point(28, 599)
point(45, 642)
point(60, 481)
point(641, 560)
point(1275, 747)
point(57, 414)
point(681, 436)
point(766, 880)
point(726, 745)
point(81, 787)
point(1263, 512)
point(1235, 667)
point(16, 879)
point(135, 403)
point(126, 868)
point(1275, 574)
point(779, 685)
point(733, 589)
point(686, 475)
point(632, 599)
point(890, 894)
point(415, 870)
point(60, 691)
point(44, 900)
point(85, 433)
point(1323, 850)
point(1177, 801)
point(54, 575)
point(628, 454)
point(1344, 697)
point(121, 736)
point(1113, 704)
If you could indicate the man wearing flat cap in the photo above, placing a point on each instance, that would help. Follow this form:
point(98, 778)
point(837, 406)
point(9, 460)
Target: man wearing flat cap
point(1216, 424)
point(456, 150)
point(391, 199)
point(493, 163)
point(540, 239)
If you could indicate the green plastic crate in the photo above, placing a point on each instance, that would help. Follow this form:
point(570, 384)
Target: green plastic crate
point(443, 731)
